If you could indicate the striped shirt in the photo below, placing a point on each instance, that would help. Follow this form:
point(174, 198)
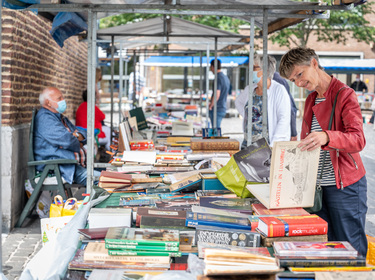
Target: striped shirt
point(328, 178)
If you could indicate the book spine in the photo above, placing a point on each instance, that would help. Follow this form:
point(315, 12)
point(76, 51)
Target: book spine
point(286, 262)
point(162, 222)
point(211, 145)
point(217, 218)
point(142, 253)
point(228, 237)
point(141, 248)
point(195, 223)
point(142, 242)
point(143, 259)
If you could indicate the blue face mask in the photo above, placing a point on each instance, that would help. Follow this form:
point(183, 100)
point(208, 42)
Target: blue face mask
point(61, 106)
point(256, 79)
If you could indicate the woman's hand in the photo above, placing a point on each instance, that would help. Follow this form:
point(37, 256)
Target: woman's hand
point(314, 141)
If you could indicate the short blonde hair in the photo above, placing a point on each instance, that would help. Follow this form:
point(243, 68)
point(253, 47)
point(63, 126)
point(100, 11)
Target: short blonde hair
point(296, 56)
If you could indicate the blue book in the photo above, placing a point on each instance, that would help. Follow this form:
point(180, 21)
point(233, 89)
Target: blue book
point(195, 223)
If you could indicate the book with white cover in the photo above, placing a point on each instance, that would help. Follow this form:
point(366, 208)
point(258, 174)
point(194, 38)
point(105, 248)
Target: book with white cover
point(180, 128)
point(293, 175)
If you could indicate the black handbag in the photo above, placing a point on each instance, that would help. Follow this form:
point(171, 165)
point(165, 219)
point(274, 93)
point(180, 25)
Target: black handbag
point(318, 197)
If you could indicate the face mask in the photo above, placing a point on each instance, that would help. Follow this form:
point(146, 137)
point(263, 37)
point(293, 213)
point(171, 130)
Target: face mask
point(61, 106)
point(256, 79)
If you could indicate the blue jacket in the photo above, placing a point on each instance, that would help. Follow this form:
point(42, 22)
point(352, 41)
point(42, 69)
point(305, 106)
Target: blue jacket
point(53, 141)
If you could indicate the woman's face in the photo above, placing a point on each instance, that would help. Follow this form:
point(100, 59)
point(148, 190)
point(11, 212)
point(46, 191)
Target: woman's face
point(306, 76)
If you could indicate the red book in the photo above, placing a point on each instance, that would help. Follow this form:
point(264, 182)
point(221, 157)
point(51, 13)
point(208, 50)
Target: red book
point(277, 226)
point(93, 233)
point(108, 176)
point(260, 209)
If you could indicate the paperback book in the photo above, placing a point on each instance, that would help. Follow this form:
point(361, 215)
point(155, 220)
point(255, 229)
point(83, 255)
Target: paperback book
point(242, 205)
point(198, 219)
point(226, 236)
point(160, 214)
point(330, 248)
point(260, 209)
point(274, 226)
point(135, 236)
point(114, 252)
point(165, 248)
point(316, 261)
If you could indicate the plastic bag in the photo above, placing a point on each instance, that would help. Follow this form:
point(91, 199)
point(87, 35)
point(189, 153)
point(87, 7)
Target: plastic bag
point(43, 204)
point(370, 258)
point(56, 207)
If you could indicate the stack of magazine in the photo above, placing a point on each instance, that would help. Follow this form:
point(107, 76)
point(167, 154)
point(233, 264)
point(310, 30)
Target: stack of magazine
point(319, 256)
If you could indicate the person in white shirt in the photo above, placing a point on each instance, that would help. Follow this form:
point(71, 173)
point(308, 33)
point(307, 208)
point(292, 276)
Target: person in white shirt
point(278, 105)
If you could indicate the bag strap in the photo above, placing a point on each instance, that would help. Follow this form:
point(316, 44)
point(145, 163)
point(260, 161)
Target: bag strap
point(329, 128)
point(58, 200)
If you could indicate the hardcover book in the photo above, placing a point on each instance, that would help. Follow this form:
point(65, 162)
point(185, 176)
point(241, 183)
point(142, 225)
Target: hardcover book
point(268, 241)
point(260, 209)
point(78, 263)
point(162, 214)
point(165, 248)
point(293, 176)
point(214, 144)
point(274, 226)
point(226, 236)
point(140, 116)
point(96, 251)
point(242, 205)
point(190, 183)
point(117, 177)
point(199, 219)
point(314, 261)
point(177, 204)
point(303, 248)
point(214, 211)
point(113, 252)
point(162, 222)
point(109, 217)
point(94, 233)
point(135, 236)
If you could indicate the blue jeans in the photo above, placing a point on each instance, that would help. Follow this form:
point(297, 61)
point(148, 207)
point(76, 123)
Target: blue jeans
point(219, 118)
point(345, 212)
point(80, 175)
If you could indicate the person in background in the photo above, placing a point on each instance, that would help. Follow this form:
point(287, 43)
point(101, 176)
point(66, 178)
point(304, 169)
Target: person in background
point(344, 182)
point(137, 84)
point(98, 78)
point(223, 85)
point(55, 137)
point(293, 112)
point(278, 105)
point(359, 85)
point(81, 121)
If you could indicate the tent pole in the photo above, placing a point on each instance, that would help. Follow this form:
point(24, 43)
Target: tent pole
point(265, 71)
point(134, 79)
point(120, 91)
point(200, 81)
point(249, 127)
point(112, 78)
point(91, 69)
point(214, 125)
point(207, 81)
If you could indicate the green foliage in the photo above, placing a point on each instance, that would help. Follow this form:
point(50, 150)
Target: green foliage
point(338, 28)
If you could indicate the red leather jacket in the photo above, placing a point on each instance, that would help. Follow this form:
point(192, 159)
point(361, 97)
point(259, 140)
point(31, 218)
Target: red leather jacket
point(346, 138)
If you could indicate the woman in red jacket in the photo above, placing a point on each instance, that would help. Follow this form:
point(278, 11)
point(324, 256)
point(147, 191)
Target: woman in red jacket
point(344, 182)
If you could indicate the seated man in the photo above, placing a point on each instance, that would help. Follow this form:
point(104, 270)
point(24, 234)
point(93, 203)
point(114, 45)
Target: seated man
point(55, 137)
point(81, 121)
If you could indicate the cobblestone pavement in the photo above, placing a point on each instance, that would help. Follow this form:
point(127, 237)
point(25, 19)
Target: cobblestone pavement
point(22, 244)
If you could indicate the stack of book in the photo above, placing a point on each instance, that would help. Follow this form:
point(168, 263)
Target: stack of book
point(156, 218)
point(114, 181)
point(121, 241)
point(230, 146)
point(319, 256)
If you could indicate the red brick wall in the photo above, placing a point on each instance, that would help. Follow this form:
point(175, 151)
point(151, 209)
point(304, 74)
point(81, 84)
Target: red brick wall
point(31, 61)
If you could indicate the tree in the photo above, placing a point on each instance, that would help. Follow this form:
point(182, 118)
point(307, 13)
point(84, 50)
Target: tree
point(337, 28)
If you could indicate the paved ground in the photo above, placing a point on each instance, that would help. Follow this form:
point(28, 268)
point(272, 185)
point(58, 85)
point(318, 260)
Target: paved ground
point(22, 244)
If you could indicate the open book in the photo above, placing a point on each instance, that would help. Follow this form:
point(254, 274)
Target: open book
point(292, 177)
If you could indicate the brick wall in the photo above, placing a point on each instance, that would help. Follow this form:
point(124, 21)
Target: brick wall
point(31, 60)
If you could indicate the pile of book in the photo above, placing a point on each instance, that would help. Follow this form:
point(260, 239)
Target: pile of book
point(114, 181)
point(304, 256)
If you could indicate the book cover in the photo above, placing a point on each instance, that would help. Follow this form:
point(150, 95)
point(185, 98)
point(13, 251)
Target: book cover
point(268, 241)
point(191, 182)
point(260, 209)
point(195, 223)
point(304, 248)
point(140, 116)
point(135, 236)
point(343, 275)
point(202, 246)
point(313, 261)
point(96, 251)
point(162, 222)
point(109, 217)
point(143, 211)
point(78, 263)
point(166, 248)
point(214, 211)
point(113, 252)
point(109, 176)
point(274, 226)
point(218, 218)
point(254, 161)
point(176, 204)
point(333, 268)
point(123, 142)
point(293, 176)
point(242, 205)
point(94, 233)
point(214, 144)
point(226, 236)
